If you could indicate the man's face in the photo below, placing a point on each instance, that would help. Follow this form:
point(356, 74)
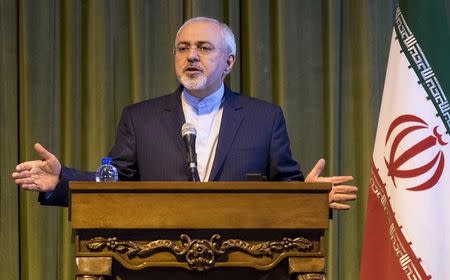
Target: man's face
point(201, 58)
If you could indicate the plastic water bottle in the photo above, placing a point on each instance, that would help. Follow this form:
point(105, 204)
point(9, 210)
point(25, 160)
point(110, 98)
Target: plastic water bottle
point(106, 172)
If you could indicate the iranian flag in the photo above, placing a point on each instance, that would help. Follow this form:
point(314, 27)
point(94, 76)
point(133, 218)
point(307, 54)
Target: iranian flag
point(407, 230)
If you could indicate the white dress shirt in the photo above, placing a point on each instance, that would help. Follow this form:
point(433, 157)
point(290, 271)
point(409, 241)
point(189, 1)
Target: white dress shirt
point(206, 115)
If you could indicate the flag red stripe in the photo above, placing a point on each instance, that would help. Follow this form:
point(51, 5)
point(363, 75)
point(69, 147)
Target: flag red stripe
point(386, 252)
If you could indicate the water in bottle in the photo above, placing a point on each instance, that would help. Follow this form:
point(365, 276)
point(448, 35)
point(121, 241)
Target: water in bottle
point(106, 172)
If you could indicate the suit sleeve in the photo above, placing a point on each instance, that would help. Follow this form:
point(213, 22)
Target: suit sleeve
point(282, 166)
point(124, 150)
point(124, 158)
point(60, 196)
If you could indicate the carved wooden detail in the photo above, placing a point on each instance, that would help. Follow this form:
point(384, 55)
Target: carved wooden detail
point(199, 254)
point(133, 229)
point(311, 276)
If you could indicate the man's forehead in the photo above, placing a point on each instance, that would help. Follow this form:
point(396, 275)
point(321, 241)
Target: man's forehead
point(200, 31)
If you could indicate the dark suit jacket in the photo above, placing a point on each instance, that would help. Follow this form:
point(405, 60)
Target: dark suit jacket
point(149, 147)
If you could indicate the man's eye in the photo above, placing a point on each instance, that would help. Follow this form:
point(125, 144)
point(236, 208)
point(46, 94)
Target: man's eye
point(182, 48)
point(205, 49)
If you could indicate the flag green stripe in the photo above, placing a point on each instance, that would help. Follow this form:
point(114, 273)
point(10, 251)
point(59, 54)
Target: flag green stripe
point(423, 68)
point(429, 21)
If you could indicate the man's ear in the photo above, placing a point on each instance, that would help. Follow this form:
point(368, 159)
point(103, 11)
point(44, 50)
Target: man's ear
point(230, 63)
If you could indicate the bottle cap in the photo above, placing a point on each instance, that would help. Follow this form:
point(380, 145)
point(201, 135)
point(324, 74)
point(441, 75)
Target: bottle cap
point(106, 160)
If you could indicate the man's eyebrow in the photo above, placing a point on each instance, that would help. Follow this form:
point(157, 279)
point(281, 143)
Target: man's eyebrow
point(183, 43)
point(195, 43)
point(204, 42)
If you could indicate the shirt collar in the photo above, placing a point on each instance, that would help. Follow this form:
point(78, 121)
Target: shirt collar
point(204, 105)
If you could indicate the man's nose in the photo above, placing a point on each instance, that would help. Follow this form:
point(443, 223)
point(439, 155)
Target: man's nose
point(193, 54)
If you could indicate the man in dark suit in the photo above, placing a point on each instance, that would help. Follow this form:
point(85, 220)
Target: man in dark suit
point(236, 135)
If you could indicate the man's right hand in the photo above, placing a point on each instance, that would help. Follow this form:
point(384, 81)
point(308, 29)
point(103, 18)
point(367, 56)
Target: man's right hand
point(38, 175)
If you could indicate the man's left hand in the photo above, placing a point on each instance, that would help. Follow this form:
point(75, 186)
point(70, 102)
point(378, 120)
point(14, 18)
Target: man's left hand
point(339, 194)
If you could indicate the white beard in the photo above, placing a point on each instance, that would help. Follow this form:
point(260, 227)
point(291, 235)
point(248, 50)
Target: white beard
point(193, 83)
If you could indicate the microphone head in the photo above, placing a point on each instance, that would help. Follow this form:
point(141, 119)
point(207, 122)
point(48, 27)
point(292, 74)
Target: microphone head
point(188, 128)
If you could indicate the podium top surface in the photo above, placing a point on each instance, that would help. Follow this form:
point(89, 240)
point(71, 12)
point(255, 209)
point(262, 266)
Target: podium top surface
point(191, 205)
point(178, 186)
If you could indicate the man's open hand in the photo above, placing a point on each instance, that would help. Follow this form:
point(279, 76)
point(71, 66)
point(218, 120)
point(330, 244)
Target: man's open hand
point(38, 175)
point(339, 194)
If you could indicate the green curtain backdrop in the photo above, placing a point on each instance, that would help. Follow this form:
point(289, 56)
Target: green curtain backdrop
point(68, 67)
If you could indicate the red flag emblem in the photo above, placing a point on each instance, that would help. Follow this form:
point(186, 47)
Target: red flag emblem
point(396, 162)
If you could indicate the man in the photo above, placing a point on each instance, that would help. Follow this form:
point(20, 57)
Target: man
point(236, 135)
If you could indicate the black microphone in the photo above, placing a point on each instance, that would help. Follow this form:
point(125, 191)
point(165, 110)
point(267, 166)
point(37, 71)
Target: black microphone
point(188, 133)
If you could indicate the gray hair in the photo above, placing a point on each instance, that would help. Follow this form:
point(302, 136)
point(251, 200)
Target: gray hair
point(227, 33)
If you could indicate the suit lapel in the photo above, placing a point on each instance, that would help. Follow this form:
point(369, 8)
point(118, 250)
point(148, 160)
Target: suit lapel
point(174, 118)
point(231, 120)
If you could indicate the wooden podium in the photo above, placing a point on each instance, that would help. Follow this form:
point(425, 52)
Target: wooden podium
point(186, 230)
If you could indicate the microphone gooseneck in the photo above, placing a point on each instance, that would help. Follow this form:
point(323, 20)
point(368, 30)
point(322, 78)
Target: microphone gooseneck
point(188, 132)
